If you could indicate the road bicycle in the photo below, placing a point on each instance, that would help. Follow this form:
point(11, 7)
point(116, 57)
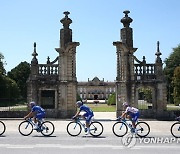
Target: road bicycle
point(2, 128)
point(75, 127)
point(121, 128)
point(175, 128)
point(45, 127)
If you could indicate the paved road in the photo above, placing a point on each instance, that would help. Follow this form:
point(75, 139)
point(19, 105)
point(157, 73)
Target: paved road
point(159, 141)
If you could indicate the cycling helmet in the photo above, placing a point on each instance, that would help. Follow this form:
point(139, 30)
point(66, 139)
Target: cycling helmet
point(125, 104)
point(79, 103)
point(32, 104)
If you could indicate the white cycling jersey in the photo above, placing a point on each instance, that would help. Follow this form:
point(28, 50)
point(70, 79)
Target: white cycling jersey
point(131, 110)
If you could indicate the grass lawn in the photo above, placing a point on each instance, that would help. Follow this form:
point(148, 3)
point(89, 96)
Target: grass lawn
point(112, 108)
point(172, 107)
point(102, 107)
point(19, 108)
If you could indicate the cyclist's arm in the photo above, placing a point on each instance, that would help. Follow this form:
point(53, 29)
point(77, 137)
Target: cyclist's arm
point(123, 115)
point(30, 114)
point(78, 112)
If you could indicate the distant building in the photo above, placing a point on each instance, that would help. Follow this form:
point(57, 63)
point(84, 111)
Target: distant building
point(95, 89)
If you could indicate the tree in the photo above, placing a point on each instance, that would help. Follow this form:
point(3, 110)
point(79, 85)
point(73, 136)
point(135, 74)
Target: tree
point(8, 88)
point(2, 70)
point(176, 83)
point(145, 94)
point(112, 99)
point(171, 63)
point(20, 74)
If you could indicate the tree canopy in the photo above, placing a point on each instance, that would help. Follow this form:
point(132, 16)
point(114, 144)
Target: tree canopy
point(8, 87)
point(172, 62)
point(20, 74)
point(176, 84)
point(112, 99)
point(2, 70)
point(13, 84)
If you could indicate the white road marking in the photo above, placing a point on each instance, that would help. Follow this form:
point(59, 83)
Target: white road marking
point(14, 146)
point(20, 147)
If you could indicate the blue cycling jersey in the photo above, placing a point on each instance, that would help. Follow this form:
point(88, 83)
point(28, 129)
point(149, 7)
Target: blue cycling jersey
point(37, 109)
point(86, 109)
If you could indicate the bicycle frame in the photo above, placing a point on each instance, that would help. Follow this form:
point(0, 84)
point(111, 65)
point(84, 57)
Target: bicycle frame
point(30, 121)
point(129, 125)
point(78, 120)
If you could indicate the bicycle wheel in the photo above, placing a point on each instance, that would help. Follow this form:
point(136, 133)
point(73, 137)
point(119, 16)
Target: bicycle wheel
point(96, 128)
point(142, 129)
point(2, 128)
point(120, 129)
point(25, 128)
point(47, 128)
point(74, 129)
point(175, 129)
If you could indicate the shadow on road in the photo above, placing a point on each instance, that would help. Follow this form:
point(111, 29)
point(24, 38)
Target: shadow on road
point(44, 136)
point(93, 136)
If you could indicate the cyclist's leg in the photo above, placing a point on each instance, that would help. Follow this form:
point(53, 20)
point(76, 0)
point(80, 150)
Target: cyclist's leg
point(134, 119)
point(35, 119)
point(85, 116)
point(39, 118)
point(88, 120)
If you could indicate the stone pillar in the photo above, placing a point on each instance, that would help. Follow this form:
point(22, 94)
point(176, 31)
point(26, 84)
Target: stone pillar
point(67, 69)
point(32, 91)
point(161, 84)
point(125, 90)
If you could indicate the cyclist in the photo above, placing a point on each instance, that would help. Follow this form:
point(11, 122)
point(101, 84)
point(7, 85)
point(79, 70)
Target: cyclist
point(36, 112)
point(132, 113)
point(87, 115)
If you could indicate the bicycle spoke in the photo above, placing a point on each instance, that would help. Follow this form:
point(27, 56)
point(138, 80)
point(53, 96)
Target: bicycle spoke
point(96, 129)
point(119, 129)
point(47, 128)
point(74, 129)
point(25, 128)
point(142, 129)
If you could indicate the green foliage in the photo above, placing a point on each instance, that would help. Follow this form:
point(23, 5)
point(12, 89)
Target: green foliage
point(176, 83)
point(20, 74)
point(171, 63)
point(145, 94)
point(2, 70)
point(8, 88)
point(112, 99)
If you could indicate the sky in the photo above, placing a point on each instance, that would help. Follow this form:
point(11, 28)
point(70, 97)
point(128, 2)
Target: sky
point(96, 25)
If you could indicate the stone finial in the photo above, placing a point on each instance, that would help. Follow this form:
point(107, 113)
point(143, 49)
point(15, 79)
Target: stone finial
point(34, 54)
point(48, 60)
point(144, 59)
point(158, 54)
point(126, 20)
point(66, 21)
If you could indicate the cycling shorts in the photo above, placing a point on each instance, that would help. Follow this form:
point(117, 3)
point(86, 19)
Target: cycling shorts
point(40, 116)
point(88, 117)
point(134, 116)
